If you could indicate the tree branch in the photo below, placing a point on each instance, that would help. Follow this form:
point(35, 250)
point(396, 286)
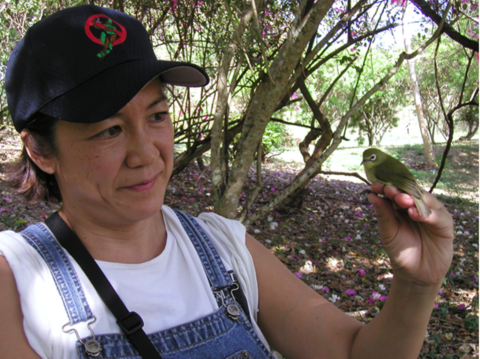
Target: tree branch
point(351, 174)
point(425, 8)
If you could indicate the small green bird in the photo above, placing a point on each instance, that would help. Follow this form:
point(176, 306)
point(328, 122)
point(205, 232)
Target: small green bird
point(385, 169)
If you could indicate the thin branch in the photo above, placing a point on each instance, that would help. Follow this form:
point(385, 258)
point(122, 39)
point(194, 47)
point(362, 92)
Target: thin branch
point(294, 124)
point(351, 174)
point(465, 77)
point(425, 8)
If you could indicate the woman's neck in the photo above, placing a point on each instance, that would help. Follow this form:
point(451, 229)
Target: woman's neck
point(135, 242)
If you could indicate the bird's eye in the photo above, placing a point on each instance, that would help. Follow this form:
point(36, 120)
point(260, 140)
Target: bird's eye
point(373, 157)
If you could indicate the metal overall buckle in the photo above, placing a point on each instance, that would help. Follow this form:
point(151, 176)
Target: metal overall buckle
point(233, 309)
point(92, 347)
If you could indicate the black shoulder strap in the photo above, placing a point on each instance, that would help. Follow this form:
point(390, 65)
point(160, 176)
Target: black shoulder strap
point(130, 322)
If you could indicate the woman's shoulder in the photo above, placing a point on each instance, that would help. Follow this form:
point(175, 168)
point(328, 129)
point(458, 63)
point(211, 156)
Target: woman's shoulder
point(232, 229)
point(216, 226)
point(19, 252)
point(11, 240)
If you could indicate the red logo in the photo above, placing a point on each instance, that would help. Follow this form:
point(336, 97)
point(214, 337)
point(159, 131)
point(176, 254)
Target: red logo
point(109, 33)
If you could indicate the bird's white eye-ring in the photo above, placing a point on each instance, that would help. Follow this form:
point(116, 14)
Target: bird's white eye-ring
point(373, 157)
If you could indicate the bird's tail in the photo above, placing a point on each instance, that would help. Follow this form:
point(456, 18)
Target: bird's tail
point(422, 207)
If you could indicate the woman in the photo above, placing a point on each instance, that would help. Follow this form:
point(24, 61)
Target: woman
point(97, 136)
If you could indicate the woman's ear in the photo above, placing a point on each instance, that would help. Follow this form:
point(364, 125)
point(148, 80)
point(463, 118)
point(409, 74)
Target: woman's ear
point(46, 164)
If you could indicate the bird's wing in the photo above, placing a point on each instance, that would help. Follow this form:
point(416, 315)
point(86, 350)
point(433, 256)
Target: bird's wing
point(401, 172)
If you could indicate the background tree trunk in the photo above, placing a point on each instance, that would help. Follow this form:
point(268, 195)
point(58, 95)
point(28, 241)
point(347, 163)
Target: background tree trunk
point(422, 122)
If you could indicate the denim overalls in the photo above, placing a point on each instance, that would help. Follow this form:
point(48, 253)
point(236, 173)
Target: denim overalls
point(225, 334)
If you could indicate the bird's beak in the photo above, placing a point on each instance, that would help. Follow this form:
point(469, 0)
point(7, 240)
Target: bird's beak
point(363, 162)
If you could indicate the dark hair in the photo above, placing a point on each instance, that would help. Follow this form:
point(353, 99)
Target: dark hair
point(26, 178)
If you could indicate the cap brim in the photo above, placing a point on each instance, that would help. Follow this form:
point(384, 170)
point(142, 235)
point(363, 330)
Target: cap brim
point(105, 94)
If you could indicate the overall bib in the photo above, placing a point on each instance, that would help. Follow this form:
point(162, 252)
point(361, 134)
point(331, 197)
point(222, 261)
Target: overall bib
point(224, 334)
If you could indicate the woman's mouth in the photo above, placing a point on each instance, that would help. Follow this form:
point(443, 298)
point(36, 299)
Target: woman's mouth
point(143, 186)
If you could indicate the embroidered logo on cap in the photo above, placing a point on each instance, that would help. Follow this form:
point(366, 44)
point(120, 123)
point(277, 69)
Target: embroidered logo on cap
point(110, 32)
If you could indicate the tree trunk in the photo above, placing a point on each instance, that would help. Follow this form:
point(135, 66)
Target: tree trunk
point(219, 162)
point(297, 197)
point(269, 93)
point(472, 130)
point(422, 122)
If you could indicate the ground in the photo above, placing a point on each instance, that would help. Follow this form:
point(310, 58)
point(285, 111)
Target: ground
point(332, 243)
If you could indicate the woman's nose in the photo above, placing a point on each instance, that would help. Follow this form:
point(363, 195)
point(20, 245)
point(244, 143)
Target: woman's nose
point(141, 150)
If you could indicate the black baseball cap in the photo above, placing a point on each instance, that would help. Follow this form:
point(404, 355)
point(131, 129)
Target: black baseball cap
point(83, 64)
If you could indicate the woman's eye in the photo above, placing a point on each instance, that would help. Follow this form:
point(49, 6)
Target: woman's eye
point(110, 132)
point(159, 116)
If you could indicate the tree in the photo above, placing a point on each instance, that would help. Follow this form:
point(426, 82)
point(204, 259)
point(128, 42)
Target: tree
point(427, 143)
point(258, 54)
point(378, 114)
point(454, 77)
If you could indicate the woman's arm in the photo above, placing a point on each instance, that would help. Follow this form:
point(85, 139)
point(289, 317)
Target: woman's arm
point(299, 323)
point(296, 320)
point(13, 342)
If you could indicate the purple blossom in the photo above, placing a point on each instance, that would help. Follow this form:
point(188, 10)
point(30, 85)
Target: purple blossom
point(299, 275)
point(361, 272)
point(350, 292)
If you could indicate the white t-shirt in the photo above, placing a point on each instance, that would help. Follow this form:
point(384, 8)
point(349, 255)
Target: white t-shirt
point(166, 291)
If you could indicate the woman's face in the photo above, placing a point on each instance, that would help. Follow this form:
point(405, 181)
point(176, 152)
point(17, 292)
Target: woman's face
point(117, 170)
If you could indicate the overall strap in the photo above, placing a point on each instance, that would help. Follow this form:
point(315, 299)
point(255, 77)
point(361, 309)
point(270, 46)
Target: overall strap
point(130, 322)
point(212, 263)
point(63, 273)
point(222, 282)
